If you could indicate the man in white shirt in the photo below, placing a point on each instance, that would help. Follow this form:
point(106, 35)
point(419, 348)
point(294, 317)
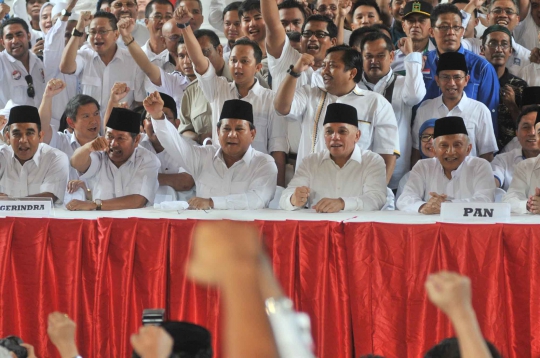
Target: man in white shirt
point(22, 75)
point(342, 70)
point(28, 167)
point(452, 77)
point(232, 176)
point(120, 173)
point(104, 63)
point(527, 31)
point(452, 175)
point(403, 92)
point(128, 9)
point(342, 177)
point(504, 164)
point(530, 97)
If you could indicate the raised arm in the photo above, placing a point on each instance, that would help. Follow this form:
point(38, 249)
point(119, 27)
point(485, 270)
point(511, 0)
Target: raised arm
point(80, 160)
point(215, 18)
point(415, 87)
point(118, 92)
point(54, 86)
point(285, 94)
point(524, 8)
point(275, 32)
point(200, 63)
point(68, 64)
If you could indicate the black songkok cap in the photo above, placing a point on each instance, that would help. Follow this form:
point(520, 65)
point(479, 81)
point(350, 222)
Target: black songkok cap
point(341, 113)
point(169, 103)
point(452, 61)
point(497, 28)
point(24, 114)
point(531, 95)
point(124, 120)
point(417, 7)
point(189, 339)
point(449, 126)
point(237, 109)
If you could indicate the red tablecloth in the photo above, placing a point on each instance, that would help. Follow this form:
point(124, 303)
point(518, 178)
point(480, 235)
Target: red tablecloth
point(361, 283)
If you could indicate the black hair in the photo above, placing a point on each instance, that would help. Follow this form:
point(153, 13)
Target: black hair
point(247, 42)
point(293, 4)
point(73, 105)
point(381, 27)
point(100, 2)
point(109, 16)
point(249, 5)
point(148, 8)
point(370, 3)
point(527, 110)
point(251, 125)
point(449, 348)
point(234, 6)
point(330, 26)
point(63, 123)
point(294, 36)
point(445, 8)
point(14, 21)
point(351, 59)
point(214, 39)
point(358, 34)
point(375, 36)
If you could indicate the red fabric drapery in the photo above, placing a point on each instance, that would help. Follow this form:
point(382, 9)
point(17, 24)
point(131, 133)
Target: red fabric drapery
point(361, 283)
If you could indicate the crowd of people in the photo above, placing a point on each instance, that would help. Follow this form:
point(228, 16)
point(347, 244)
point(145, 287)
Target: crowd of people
point(333, 105)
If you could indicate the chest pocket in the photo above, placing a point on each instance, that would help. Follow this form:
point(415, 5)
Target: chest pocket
point(365, 134)
point(90, 85)
point(201, 115)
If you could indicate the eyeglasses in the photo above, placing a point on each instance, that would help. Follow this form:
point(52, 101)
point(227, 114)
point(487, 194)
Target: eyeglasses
point(30, 90)
point(499, 11)
point(493, 45)
point(448, 78)
point(99, 32)
point(426, 137)
point(174, 38)
point(119, 5)
point(324, 8)
point(318, 34)
point(159, 17)
point(446, 28)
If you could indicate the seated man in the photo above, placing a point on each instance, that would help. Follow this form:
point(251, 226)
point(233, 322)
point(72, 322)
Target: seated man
point(120, 174)
point(452, 175)
point(232, 176)
point(504, 164)
point(452, 77)
point(28, 167)
point(529, 97)
point(524, 192)
point(342, 177)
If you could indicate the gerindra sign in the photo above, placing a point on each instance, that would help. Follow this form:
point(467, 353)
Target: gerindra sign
point(21, 207)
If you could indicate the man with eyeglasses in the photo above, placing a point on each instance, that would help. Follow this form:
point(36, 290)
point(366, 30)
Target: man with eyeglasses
point(22, 74)
point(103, 63)
point(331, 9)
point(528, 31)
point(482, 84)
point(497, 47)
point(452, 77)
point(128, 9)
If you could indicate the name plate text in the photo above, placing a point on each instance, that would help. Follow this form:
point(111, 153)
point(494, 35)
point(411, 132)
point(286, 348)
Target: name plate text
point(486, 212)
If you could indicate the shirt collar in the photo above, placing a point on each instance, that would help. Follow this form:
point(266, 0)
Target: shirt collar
point(246, 158)
point(35, 158)
point(356, 155)
point(462, 104)
point(257, 89)
point(381, 85)
point(31, 56)
point(117, 55)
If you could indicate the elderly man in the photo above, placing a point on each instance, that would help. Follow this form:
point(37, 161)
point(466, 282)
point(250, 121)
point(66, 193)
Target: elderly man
point(452, 175)
point(28, 167)
point(122, 9)
point(120, 173)
point(342, 177)
point(233, 176)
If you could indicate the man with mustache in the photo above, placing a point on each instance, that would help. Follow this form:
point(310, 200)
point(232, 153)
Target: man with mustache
point(128, 9)
point(453, 175)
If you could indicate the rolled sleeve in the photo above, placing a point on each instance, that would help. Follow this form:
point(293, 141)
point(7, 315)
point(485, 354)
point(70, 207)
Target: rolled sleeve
point(412, 197)
point(352, 204)
point(277, 134)
point(517, 194)
point(94, 168)
point(385, 130)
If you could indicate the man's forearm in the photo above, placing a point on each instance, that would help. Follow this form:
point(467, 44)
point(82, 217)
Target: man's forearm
point(44, 195)
point(80, 160)
point(390, 161)
point(134, 201)
point(68, 64)
point(275, 33)
point(470, 339)
point(285, 95)
point(178, 181)
point(281, 161)
point(45, 114)
point(194, 51)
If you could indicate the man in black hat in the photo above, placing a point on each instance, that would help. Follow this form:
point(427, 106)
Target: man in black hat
point(452, 175)
point(120, 174)
point(27, 166)
point(232, 176)
point(452, 77)
point(342, 177)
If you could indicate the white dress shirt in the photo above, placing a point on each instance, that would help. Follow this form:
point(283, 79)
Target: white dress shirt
point(271, 128)
point(173, 84)
point(248, 184)
point(471, 182)
point(531, 74)
point(157, 59)
point(137, 176)
point(12, 83)
point(526, 32)
point(475, 114)
point(376, 120)
point(97, 79)
point(140, 33)
point(46, 172)
point(503, 166)
point(399, 57)
point(409, 90)
point(67, 143)
point(526, 180)
point(361, 183)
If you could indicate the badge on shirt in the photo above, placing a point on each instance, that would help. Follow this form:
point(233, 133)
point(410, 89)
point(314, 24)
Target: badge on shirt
point(42, 74)
point(426, 72)
point(517, 61)
point(16, 75)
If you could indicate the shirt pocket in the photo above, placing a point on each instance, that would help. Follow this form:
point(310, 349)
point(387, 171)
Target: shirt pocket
point(90, 85)
point(201, 117)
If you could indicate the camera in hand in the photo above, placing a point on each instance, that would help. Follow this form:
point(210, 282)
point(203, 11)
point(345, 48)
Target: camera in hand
point(13, 344)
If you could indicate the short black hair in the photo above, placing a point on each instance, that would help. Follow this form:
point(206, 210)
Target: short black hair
point(445, 8)
point(234, 6)
point(293, 4)
point(212, 36)
point(527, 110)
point(358, 34)
point(330, 26)
point(73, 105)
point(100, 2)
point(516, 6)
point(351, 58)
point(247, 42)
point(249, 5)
point(465, 2)
point(370, 3)
point(449, 348)
point(148, 8)
point(381, 27)
point(14, 21)
point(375, 36)
point(109, 16)
point(294, 36)
point(63, 123)
point(251, 125)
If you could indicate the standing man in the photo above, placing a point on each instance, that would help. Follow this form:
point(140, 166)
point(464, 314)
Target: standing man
point(254, 28)
point(527, 31)
point(292, 15)
point(128, 9)
point(232, 27)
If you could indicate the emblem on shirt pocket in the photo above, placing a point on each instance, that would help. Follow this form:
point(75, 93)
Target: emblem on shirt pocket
point(16, 75)
point(517, 61)
point(42, 74)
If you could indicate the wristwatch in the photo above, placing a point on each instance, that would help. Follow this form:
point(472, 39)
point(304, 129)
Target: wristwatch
point(65, 13)
point(98, 204)
point(77, 33)
point(292, 73)
point(182, 26)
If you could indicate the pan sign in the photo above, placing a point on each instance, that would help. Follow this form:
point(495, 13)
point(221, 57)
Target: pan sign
point(475, 212)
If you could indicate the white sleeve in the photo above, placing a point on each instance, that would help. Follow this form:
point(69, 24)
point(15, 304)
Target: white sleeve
point(277, 133)
point(55, 180)
point(302, 177)
point(278, 66)
point(53, 47)
point(412, 197)
point(80, 61)
point(215, 17)
point(211, 84)
point(145, 180)
point(385, 130)
point(19, 10)
point(139, 94)
point(373, 188)
point(484, 185)
point(499, 168)
point(486, 142)
point(94, 168)
point(172, 84)
point(299, 103)
point(415, 87)
point(519, 188)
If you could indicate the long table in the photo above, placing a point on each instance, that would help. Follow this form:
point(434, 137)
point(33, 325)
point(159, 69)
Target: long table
point(359, 276)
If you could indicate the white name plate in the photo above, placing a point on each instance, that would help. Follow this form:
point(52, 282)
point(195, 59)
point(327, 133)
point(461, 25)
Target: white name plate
point(25, 208)
point(479, 212)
